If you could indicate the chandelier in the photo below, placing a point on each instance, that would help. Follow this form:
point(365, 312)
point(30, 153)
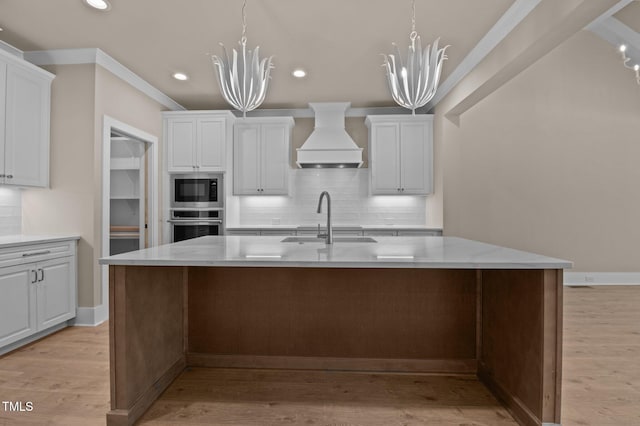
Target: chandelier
point(625, 62)
point(415, 82)
point(243, 77)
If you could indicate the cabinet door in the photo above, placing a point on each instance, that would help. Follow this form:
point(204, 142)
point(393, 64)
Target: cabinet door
point(274, 162)
point(17, 303)
point(56, 292)
point(181, 144)
point(415, 155)
point(3, 101)
point(211, 144)
point(385, 158)
point(246, 160)
point(27, 127)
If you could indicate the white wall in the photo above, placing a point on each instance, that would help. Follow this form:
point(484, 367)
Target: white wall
point(10, 211)
point(350, 202)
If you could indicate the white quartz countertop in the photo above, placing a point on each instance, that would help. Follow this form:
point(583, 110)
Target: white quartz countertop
point(386, 252)
point(338, 227)
point(22, 240)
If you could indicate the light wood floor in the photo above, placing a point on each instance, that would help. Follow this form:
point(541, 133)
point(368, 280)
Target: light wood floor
point(66, 378)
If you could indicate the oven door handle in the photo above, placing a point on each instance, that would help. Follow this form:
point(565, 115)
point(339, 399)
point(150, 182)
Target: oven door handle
point(194, 222)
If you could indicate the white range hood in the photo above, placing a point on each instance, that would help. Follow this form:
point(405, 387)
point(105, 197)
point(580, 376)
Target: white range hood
point(329, 145)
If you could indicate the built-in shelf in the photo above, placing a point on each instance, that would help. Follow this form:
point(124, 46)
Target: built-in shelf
point(131, 163)
point(125, 197)
point(124, 235)
point(126, 202)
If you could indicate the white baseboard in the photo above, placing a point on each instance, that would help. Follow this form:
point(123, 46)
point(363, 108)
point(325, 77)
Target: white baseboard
point(90, 317)
point(601, 278)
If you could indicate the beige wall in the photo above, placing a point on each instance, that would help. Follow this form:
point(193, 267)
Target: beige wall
point(66, 207)
point(117, 99)
point(549, 162)
point(81, 95)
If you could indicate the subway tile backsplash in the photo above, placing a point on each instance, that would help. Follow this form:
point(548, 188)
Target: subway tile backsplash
point(350, 201)
point(10, 211)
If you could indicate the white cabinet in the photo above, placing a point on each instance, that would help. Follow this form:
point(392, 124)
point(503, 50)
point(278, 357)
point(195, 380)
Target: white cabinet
point(401, 154)
point(25, 105)
point(261, 156)
point(196, 141)
point(17, 317)
point(37, 289)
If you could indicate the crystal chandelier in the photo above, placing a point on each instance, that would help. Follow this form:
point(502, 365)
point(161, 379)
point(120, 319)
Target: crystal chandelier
point(415, 82)
point(243, 78)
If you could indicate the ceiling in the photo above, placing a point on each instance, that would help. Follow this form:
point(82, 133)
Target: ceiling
point(338, 42)
point(630, 16)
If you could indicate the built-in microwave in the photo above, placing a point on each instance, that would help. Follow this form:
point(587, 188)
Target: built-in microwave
point(197, 190)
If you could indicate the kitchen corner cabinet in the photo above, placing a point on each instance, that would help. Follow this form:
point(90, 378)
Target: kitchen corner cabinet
point(25, 108)
point(38, 287)
point(197, 141)
point(261, 156)
point(401, 154)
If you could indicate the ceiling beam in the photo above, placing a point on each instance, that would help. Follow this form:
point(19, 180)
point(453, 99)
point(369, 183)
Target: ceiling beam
point(507, 22)
point(547, 26)
point(617, 33)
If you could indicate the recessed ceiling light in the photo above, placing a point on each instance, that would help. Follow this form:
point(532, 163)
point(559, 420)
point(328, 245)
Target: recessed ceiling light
point(299, 73)
point(180, 76)
point(99, 4)
point(623, 48)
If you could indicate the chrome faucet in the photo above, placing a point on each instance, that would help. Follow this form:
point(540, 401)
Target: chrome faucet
point(329, 234)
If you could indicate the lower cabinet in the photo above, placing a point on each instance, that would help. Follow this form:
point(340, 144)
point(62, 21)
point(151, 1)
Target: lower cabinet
point(17, 312)
point(35, 296)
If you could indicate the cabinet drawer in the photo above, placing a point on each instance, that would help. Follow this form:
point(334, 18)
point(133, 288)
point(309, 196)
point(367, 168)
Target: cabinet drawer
point(35, 253)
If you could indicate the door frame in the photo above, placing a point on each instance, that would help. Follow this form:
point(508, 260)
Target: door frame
point(110, 124)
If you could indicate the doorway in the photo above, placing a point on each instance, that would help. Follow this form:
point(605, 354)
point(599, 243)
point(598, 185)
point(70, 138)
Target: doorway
point(129, 195)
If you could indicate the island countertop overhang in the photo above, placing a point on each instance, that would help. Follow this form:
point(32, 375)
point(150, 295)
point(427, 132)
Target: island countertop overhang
point(388, 252)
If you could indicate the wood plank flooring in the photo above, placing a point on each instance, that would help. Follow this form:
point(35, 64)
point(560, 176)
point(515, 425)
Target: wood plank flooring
point(601, 358)
point(66, 377)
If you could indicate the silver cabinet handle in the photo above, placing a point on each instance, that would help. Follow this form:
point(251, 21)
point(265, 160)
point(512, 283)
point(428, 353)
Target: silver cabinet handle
point(42, 275)
point(36, 253)
point(1, 176)
point(35, 276)
point(194, 221)
point(9, 176)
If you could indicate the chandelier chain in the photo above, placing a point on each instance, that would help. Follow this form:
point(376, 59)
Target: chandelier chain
point(413, 34)
point(243, 40)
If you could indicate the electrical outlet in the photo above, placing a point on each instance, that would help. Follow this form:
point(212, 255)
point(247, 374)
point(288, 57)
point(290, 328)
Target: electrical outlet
point(588, 278)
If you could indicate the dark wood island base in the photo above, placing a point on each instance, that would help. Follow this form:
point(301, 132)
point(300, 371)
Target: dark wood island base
point(505, 325)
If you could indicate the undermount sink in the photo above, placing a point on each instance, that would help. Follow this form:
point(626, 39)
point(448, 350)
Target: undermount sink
point(301, 239)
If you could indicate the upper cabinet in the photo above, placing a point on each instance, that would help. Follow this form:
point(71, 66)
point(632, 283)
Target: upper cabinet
point(261, 156)
point(25, 107)
point(401, 154)
point(196, 141)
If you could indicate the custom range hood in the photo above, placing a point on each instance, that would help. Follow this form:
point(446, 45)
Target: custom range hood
point(329, 145)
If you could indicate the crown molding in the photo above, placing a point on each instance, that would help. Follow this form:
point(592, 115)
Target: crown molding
point(97, 56)
point(12, 50)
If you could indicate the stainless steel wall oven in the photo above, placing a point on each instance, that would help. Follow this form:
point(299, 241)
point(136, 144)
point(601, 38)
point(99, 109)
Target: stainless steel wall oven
point(187, 224)
point(197, 205)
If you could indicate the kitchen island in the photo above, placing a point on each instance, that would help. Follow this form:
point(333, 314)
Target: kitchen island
point(400, 304)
